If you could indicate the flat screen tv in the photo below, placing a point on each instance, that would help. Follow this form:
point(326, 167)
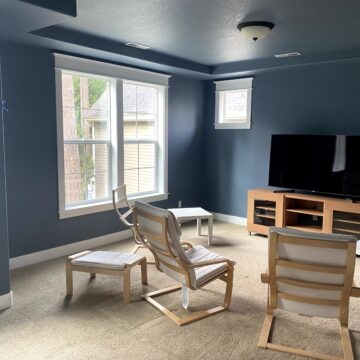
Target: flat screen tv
point(327, 164)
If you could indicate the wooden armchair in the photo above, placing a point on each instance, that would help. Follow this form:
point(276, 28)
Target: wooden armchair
point(310, 274)
point(192, 267)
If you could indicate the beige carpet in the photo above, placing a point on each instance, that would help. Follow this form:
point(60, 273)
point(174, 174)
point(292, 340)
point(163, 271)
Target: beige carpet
point(95, 324)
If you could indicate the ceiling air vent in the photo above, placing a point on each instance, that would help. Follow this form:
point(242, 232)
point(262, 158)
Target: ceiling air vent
point(292, 54)
point(138, 46)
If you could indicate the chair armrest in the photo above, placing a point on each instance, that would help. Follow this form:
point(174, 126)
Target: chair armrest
point(265, 278)
point(210, 262)
point(186, 244)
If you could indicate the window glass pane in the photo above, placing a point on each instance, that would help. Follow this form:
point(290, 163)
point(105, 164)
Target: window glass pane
point(146, 103)
point(146, 112)
point(139, 167)
point(146, 129)
point(70, 125)
point(146, 179)
point(131, 156)
point(146, 155)
point(86, 172)
point(74, 158)
point(129, 94)
point(99, 185)
point(131, 178)
point(86, 107)
point(75, 190)
point(70, 85)
point(140, 111)
point(235, 106)
point(129, 129)
point(130, 116)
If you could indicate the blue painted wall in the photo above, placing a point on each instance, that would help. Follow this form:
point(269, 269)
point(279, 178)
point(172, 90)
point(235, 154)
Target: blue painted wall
point(4, 246)
point(208, 167)
point(32, 154)
point(321, 99)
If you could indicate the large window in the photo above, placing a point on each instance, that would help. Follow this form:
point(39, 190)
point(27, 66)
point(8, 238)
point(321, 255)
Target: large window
point(111, 131)
point(233, 104)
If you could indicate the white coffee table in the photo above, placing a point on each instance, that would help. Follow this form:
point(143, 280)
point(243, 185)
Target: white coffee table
point(195, 213)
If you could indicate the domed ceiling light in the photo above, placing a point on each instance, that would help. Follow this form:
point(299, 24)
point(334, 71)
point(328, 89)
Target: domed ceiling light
point(255, 30)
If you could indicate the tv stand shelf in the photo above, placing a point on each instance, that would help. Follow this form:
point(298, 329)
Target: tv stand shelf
point(350, 231)
point(311, 228)
point(268, 208)
point(265, 216)
point(314, 213)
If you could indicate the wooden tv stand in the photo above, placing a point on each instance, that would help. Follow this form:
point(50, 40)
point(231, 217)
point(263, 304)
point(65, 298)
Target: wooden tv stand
point(301, 211)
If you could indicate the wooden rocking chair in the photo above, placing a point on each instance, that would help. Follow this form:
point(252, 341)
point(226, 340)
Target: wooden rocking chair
point(310, 274)
point(192, 267)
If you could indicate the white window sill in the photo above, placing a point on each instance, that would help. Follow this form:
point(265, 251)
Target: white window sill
point(106, 205)
point(232, 126)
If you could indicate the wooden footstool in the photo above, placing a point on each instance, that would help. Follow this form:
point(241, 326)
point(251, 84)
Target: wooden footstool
point(107, 263)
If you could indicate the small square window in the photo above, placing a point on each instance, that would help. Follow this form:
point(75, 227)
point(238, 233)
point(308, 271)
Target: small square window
point(233, 104)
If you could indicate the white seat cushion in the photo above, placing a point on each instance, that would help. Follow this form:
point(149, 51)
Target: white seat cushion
point(205, 273)
point(106, 260)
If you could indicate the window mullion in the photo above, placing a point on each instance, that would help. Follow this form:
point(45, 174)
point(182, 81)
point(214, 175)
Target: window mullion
point(60, 139)
point(90, 141)
point(138, 147)
point(118, 133)
point(142, 141)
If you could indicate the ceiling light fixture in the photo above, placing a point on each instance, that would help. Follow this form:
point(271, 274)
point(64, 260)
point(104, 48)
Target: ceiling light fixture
point(286, 55)
point(255, 30)
point(138, 46)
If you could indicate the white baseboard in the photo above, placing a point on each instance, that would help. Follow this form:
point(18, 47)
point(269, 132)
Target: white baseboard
point(40, 256)
point(6, 301)
point(230, 219)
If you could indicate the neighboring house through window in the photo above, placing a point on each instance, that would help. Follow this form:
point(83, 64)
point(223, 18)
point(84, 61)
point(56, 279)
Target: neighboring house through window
point(111, 130)
point(233, 104)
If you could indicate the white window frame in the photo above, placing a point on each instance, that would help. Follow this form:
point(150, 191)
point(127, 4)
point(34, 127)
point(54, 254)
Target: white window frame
point(227, 86)
point(116, 74)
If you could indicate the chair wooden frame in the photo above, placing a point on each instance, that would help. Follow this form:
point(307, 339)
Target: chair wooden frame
point(348, 289)
point(123, 218)
point(183, 268)
point(125, 272)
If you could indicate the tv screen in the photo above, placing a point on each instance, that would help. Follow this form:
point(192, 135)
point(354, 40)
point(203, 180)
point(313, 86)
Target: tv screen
point(317, 163)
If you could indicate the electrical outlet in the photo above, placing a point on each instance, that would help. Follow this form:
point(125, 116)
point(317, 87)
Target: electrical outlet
point(179, 203)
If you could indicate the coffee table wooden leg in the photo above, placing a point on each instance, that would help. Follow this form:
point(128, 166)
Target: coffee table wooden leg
point(198, 226)
point(126, 290)
point(69, 279)
point(143, 265)
point(210, 230)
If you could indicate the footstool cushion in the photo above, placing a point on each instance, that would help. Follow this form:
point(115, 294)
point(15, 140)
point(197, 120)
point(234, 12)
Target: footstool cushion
point(106, 259)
